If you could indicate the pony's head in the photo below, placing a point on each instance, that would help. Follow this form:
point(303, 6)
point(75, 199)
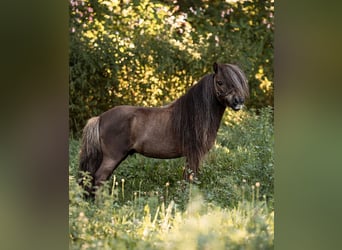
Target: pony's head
point(231, 87)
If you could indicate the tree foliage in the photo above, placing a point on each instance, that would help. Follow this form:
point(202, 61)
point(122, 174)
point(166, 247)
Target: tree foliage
point(148, 53)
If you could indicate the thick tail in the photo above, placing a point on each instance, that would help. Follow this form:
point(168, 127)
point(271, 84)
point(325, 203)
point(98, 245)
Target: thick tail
point(91, 153)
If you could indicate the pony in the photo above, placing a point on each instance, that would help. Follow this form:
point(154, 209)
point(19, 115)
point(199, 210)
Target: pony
point(187, 127)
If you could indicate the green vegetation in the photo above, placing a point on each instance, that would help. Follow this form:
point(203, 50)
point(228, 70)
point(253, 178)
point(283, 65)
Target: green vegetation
point(146, 205)
point(148, 53)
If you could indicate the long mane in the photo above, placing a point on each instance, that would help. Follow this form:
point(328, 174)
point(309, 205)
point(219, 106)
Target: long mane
point(196, 118)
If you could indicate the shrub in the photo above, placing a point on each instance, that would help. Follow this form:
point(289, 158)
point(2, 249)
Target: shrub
point(148, 53)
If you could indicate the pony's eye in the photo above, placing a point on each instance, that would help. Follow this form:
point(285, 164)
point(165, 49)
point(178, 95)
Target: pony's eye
point(219, 83)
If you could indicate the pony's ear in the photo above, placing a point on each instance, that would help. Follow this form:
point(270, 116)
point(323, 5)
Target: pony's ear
point(215, 67)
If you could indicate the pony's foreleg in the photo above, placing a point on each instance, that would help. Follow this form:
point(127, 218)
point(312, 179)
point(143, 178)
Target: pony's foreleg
point(187, 174)
point(191, 170)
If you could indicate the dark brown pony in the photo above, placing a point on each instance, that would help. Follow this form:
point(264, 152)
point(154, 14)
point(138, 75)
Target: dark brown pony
point(185, 128)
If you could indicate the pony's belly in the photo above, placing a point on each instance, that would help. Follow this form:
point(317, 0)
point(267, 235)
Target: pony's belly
point(164, 149)
point(159, 155)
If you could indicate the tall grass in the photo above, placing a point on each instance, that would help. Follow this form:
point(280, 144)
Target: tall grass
point(146, 205)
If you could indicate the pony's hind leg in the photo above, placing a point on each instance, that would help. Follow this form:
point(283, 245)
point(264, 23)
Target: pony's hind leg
point(106, 168)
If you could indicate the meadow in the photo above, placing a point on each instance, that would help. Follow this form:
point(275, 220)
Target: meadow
point(147, 205)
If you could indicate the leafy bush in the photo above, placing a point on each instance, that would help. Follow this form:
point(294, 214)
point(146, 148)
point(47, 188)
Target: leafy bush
point(148, 53)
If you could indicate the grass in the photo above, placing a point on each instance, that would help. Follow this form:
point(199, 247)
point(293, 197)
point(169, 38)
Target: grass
point(146, 205)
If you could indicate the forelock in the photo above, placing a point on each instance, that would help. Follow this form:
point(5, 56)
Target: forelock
point(236, 77)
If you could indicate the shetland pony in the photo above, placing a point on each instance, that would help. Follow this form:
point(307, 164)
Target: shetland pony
point(185, 128)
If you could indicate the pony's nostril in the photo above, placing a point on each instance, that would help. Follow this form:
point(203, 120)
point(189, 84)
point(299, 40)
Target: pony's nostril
point(235, 101)
point(238, 100)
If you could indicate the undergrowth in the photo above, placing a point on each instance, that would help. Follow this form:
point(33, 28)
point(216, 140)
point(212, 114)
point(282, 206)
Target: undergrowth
point(146, 205)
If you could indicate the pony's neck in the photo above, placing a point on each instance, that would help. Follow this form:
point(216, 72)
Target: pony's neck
point(218, 109)
point(214, 108)
point(196, 118)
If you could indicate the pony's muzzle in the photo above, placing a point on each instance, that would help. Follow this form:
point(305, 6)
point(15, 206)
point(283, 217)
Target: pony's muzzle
point(237, 103)
point(238, 100)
